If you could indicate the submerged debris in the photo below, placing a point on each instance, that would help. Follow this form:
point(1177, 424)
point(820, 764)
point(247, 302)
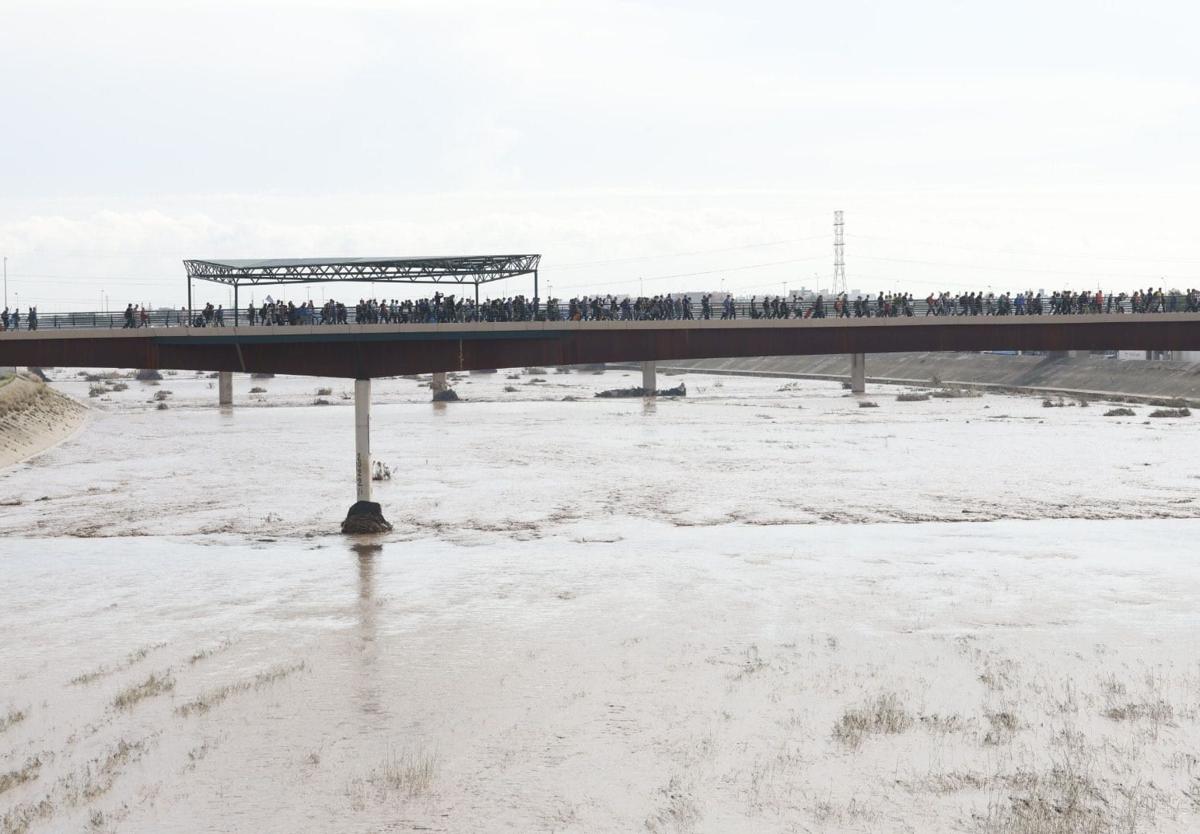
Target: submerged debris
point(678, 391)
point(956, 394)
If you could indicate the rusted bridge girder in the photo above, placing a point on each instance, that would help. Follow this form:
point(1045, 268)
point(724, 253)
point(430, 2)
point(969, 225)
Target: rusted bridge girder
point(365, 351)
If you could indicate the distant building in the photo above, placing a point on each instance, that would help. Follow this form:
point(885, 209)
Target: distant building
point(1176, 355)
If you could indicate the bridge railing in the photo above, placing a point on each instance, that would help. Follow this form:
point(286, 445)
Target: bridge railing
point(1176, 303)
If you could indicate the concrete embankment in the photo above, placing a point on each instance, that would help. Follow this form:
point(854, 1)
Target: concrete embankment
point(34, 417)
point(1078, 375)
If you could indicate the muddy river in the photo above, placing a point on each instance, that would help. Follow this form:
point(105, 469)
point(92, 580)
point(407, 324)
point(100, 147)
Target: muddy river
point(760, 608)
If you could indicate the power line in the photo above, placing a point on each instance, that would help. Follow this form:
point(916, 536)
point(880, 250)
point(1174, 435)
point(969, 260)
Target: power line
point(1035, 270)
point(694, 274)
point(80, 278)
point(684, 254)
point(1027, 253)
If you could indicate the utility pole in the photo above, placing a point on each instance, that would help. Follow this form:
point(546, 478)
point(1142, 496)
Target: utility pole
point(839, 254)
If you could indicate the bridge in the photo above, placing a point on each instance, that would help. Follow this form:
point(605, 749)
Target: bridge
point(365, 351)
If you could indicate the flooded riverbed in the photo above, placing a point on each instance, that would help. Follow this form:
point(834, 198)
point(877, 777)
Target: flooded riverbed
point(756, 609)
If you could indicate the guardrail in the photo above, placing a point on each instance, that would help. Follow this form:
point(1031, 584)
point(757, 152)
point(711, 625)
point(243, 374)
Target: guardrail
point(741, 310)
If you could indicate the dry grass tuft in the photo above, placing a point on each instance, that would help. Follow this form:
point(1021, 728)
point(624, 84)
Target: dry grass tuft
point(101, 773)
point(13, 716)
point(937, 723)
point(1061, 802)
point(1120, 412)
point(679, 812)
point(956, 394)
point(1171, 412)
point(406, 775)
point(89, 677)
point(884, 715)
point(104, 671)
point(20, 818)
point(867, 404)
point(1004, 726)
point(204, 654)
point(215, 697)
point(1157, 712)
point(26, 773)
point(912, 397)
point(153, 685)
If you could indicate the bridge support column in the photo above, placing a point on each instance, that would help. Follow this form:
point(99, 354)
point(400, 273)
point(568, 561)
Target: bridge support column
point(365, 516)
point(362, 438)
point(649, 379)
point(225, 388)
point(858, 373)
point(438, 382)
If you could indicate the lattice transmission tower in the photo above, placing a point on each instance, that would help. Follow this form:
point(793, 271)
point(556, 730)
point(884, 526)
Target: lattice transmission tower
point(839, 254)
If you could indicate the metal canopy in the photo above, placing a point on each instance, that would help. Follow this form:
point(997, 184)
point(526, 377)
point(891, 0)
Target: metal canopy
point(468, 269)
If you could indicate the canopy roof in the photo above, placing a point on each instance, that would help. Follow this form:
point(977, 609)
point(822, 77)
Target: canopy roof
point(464, 269)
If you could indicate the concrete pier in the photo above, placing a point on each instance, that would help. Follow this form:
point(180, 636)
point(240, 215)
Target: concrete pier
point(649, 378)
point(225, 388)
point(365, 516)
point(362, 438)
point(858, 373)
point(438, 382)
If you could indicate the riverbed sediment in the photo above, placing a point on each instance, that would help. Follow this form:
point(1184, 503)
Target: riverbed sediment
point(34, 417)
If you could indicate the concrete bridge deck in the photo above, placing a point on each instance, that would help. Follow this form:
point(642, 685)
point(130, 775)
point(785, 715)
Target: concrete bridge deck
point(370, 350)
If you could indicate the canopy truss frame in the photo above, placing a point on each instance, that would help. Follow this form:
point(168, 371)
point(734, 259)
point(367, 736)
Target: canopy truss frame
point(457, 270)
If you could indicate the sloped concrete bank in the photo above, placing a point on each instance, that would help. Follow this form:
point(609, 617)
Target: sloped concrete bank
point(34, 417)
point(1077, 376)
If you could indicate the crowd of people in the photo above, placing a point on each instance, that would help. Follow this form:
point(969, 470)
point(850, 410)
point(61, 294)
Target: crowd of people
point(12, 321)
point(442, 308)
point(449, 309)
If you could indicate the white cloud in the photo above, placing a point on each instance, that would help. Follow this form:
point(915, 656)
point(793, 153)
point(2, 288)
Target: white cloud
point(143, 133)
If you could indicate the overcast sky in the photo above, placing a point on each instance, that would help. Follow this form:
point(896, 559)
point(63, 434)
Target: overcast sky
point(1004, 145)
